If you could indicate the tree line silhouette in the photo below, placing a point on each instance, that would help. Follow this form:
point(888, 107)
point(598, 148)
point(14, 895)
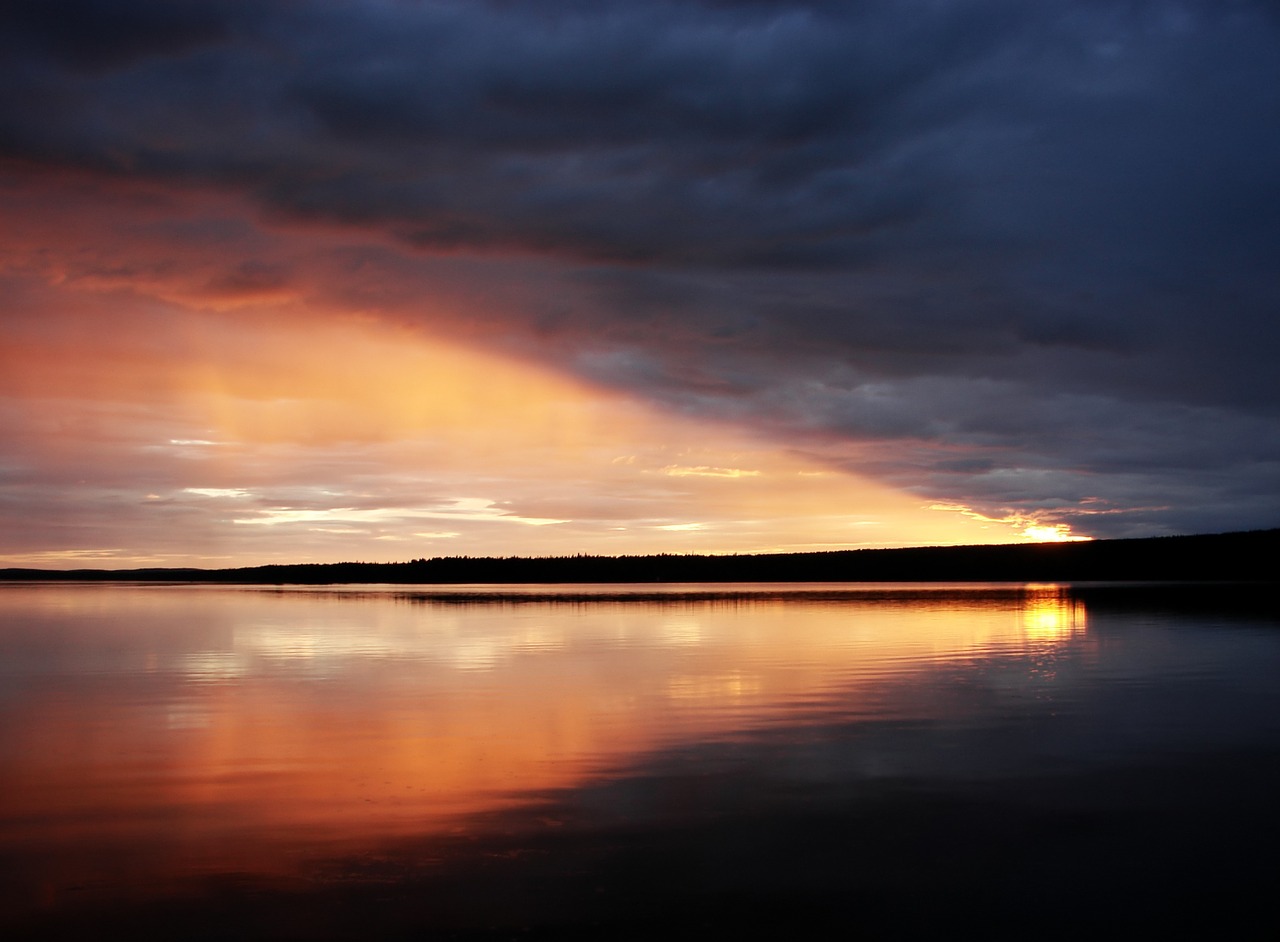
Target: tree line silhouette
point(1246, 556)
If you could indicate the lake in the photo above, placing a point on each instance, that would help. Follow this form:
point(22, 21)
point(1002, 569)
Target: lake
point(637, 761)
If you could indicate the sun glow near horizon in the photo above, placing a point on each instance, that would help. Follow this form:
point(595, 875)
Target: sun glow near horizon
point(1056, 533)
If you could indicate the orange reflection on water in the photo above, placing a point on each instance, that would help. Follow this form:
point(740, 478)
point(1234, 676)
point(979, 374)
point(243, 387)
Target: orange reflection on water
point(175, 732)
point(1050, 613)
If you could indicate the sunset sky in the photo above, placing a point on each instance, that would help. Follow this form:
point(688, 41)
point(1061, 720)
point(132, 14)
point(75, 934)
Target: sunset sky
point(322, 281)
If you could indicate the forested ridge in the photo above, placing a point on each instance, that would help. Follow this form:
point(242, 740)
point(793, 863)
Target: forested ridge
point(1245, 556)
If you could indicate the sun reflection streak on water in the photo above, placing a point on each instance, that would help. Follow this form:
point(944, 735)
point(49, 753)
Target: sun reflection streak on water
point(1050, 613)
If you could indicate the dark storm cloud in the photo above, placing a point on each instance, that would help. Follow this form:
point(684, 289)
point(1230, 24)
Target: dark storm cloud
point(1025, 250)
point(95, 35)
point(675, 133)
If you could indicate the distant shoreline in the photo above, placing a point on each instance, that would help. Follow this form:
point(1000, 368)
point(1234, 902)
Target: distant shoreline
point(1224, 557)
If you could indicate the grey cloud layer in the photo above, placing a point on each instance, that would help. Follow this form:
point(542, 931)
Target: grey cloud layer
point(1027, 251)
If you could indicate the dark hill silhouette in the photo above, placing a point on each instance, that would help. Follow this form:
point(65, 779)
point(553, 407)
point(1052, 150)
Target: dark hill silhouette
point(1238, 557)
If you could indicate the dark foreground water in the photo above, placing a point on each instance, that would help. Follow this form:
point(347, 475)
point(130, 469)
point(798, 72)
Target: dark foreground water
point(621, 762)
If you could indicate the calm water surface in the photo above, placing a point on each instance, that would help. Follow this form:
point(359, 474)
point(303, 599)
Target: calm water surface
point(619, 761)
